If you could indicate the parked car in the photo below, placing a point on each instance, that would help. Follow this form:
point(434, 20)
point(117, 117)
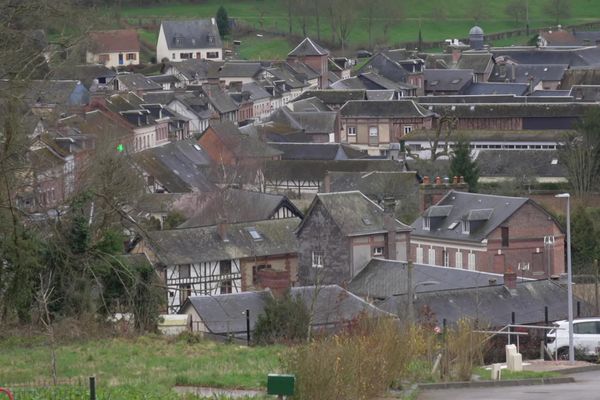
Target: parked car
point(586, 338)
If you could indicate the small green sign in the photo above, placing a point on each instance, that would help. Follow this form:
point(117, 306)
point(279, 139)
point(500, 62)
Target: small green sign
point(120, 148)
point(281, 385)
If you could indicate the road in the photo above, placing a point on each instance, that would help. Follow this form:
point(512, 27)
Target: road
point(586, 387)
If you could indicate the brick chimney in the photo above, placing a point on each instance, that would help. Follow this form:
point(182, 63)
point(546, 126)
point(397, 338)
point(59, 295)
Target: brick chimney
point(510, 279)
point(222, 228)
point(389, 223)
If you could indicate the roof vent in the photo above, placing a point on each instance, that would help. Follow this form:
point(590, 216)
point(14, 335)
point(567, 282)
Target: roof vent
point(366, 221)
point(554, 161)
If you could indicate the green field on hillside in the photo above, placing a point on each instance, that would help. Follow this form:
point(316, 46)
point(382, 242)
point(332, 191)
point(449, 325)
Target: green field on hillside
point(270, 15)
point(149, 364)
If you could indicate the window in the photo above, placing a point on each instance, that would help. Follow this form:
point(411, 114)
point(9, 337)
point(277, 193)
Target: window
point(407, 129)
point(419, 255)
point(225, 267)
point(226, 286)
point(317, 259)
point(103, 58)
point(255, 270)
point(184, 271)
point(198, 54)
point(431, 257)
point(378, 251)
point(254, 234)
point(351, 131)
point(471, 261)
point(504, 231)
point(446, 258)
point(586, 328)
point(131, 56)
point(458, 259)
point(465, 227)
point(185, 291)
point(373, 131)
point(212, 54)
point(185, 56)
point(426, 223)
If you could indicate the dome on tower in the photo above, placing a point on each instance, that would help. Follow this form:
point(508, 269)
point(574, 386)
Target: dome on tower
point(476, 30)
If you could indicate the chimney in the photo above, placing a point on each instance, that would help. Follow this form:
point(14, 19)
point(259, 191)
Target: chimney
point(513, 73)
point(389, 224)
point(222, 230)
point(213, 21)
point(510, 279)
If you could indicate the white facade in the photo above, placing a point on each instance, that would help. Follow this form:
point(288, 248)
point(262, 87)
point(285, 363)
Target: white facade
point(114, 60)
point(262, 108)
point(197, 125)
point(422, 148)
point(164, 52)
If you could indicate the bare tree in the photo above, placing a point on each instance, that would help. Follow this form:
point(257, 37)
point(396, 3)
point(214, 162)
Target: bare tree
point(517, 10)
point(343, 15)
point(558, 9)
point(445, 127)
point(478, 10)
point(44, 299)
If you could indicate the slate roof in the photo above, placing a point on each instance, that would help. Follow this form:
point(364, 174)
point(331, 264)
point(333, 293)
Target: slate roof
point(84, 73)
point(178, 166)
point(384, 109)
point(234, 206)
point(196, 69)
point(257, 92)
point(242, 145)
point(332, 306)
point(375, 81)
point(524, 73)
point(513, 110)
point(531, 163)
point(381, 95)
point(333, 97)
point(233, 69)
point(386, 66)
point(463, 204)
point(478, 62)
point(487, 88)
point(314, 122)
point(203, 244)
point(381, 279)
point(492, 304)
point(308, 47)
point(353, 83)
point(376, 185)
point(315, 170)
point(122, 40)
point(577, 57)
point(220, 100)
point(495, 136)
point(191, 34)
point(308, 104)
point(163, 203)
point(353, 213)
point(137, 81)
point(284, 73)
point(61, 93)
point(447, 80)
point(585, 93)
point(317, 151)
point(160, 79)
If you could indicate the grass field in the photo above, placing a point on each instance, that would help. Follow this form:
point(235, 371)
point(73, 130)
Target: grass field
point(145, 365)
point(270, 15)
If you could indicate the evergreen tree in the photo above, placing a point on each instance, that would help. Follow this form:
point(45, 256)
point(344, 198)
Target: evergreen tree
point(585, 244)
point(222, 21)
point(461, 164)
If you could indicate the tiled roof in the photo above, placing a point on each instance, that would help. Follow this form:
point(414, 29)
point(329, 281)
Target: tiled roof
point(122, 40)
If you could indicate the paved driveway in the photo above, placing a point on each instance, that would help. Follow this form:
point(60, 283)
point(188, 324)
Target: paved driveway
point(586, 387)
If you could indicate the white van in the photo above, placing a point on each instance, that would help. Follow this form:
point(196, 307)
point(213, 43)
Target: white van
point(586, 338)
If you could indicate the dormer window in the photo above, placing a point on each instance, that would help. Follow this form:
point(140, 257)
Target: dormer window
point(178, 41)
point(211, 39)
point(426, 223)
point(466, 227)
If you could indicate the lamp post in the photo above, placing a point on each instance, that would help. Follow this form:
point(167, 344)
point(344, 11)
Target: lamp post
point(569, 277)
point(412, 296)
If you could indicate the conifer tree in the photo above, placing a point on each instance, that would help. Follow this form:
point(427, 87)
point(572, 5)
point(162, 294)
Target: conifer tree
point(461, 164)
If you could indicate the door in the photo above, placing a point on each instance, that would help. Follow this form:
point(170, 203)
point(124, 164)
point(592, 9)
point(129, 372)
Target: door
point(373, 136)
point(121, 59)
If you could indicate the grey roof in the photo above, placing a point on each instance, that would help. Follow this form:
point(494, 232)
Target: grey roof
point(310, 122)
point(220, 99)
point(257, 92)
point(438, 211)
point(241, 144)
point(478, 62)
point(495, 136)
point(137, 82)
point(353, 213)
point(577, 57)
point(308, 104)
point(315, 170)
point(381, 279)
point(553, 93)
point(353, 83)
point(383, 109)
point(375, 81)
point(164, 79)
point(284, 73)
point(241, 69)
point(376, 185)
point(178, 166)
point(585, 92)
point(192, 34)
point(524, 73)
point(317, 151)
point(476, 30)
point(517, 163)
point(334, 97)
point(225, 314)
point(84, 73)
point(163, 203)
point(60, 93)
point(464, 206)
point(492, 304)
point(308, 48)
point(381, 94)
point(235, 206)
point(481, 88)
point(203, 244)
point(447, 80)
point(386, 66)
point(513, 110)
point(195, 69)
point(331, 307)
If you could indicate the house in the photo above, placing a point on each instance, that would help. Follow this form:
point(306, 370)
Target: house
point(261, 100)
point(331, 307)
point(193, 72)
point(317, 151)
point(564, 38)
point(372, 81)
point(498, 88)
point(189, 39)
point(341, 232)
point(397, 66)
point(240, 71)
point(194, 107)
point(168, 82)
point(480, 63)
point(373, 125)
point(221, 103)
point(492, 305)
point(52, 97)
point(94, 77)
point(447, 81)
point(334, 99)
point(382, 279)
point(489, 233)
point(525, 167)
point(222, 258)
point(314, 57)
point(113, 49)
point(536, 76)
point(317, 126)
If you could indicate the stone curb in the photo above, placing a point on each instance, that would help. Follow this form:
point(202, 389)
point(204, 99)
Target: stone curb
point(508, 382)
point(576, 370)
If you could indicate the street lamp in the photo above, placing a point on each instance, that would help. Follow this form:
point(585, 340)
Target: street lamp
point(412, 294)
point(569, 277)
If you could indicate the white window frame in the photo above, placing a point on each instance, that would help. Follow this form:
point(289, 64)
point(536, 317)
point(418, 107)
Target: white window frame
point(419, 255)
point(458, 259)
point(373, 131)
point(317, 259)
point(352, 131)
point(407, 129)
point(378, 251)
point(446, 257)
point(431, 256)
point(426, 223)
point(471, 261)
point(465, 227)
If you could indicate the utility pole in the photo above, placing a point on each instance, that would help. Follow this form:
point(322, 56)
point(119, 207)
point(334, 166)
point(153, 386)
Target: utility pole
point(409, 291)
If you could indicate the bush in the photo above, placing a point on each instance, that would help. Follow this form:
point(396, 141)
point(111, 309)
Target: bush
point(285, 319)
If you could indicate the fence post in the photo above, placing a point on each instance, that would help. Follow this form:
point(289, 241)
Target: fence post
point(546, 322)
point(248, 327)
point(445, 365)
point(92, 388)
point(578, 309)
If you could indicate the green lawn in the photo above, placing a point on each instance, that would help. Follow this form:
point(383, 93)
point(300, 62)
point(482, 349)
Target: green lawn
point(147, 364)
point(485, 374)
point(271, 15)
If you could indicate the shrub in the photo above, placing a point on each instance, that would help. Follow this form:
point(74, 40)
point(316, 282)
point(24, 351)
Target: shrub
point(285, 319)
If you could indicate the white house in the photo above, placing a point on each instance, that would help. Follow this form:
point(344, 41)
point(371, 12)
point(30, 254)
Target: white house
point(114, 48)
point(190, 39)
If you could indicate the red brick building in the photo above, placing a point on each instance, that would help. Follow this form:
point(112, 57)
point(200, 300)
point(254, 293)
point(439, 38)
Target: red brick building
point(490, 234)
point(314, 56)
